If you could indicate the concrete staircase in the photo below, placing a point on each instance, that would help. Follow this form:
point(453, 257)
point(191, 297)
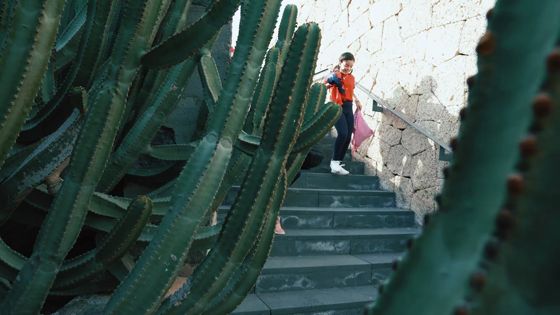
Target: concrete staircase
point(342, 235)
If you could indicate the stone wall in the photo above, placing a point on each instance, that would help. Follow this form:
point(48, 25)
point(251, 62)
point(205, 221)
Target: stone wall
point(416, 55)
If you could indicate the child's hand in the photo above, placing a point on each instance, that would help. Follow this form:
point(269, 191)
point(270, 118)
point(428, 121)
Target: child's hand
point(358, 104)
point(334, 80)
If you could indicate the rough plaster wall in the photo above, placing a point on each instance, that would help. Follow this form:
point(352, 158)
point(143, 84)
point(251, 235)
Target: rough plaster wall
point(416, 55)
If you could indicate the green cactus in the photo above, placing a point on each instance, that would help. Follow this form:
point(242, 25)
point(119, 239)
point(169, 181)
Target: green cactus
point(263, 93)
point(22, 73)
point(147, 124)
point(516, 275)
point(436, 276)
point(121, 236)
point(186, 43)
point(114, 55)
point(244, 220)
point(64, 222)
point(45, 157)
point(286, 29)
point(116, 243)
point(245, 276)
point(191, 200)
point(210, 76)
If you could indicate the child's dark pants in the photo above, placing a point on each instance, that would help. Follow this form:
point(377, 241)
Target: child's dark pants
point(344, 128)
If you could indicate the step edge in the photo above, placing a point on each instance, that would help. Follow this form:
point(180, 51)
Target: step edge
point(358, 262)
point(341, 291)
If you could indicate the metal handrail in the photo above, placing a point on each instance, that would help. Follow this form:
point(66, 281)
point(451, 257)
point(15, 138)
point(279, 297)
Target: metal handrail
point(380, 105)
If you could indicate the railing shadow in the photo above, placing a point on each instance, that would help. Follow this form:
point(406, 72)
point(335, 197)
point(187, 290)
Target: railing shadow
point(406, 152)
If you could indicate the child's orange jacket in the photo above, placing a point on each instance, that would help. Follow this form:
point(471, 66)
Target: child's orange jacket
point(348, 83)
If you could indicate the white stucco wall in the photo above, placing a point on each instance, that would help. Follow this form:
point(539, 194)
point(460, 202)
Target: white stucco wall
point(416, 55)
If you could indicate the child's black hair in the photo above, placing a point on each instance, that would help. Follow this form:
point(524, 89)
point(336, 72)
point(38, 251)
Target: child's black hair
point(346, 56)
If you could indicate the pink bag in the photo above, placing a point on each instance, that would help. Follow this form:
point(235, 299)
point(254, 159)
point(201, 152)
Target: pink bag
point(361, 130)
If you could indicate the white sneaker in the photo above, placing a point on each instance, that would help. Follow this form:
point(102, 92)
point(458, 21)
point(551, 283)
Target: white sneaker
point(336, 168)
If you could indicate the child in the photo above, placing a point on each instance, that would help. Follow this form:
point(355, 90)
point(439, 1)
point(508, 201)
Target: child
point(341, 86)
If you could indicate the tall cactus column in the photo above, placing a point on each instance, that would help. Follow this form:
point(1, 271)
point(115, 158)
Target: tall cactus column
point(246, 217)
point(519, 37)
point(519, 272)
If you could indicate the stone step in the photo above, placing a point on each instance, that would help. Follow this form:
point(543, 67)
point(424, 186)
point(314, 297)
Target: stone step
point(354, 167)
point(334, 301)
point(341, 218)
point(252, 305)
point(301, 242)
point(331, 198)
point(284, 273)
point(344, 218)
point(328, 180)
point(338, 198)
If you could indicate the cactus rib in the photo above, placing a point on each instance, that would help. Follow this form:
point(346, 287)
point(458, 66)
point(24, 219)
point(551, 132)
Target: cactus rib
point(22, 74)
point(286, 30)
point(72, 28)
point(263, 93)
point(209, 75)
